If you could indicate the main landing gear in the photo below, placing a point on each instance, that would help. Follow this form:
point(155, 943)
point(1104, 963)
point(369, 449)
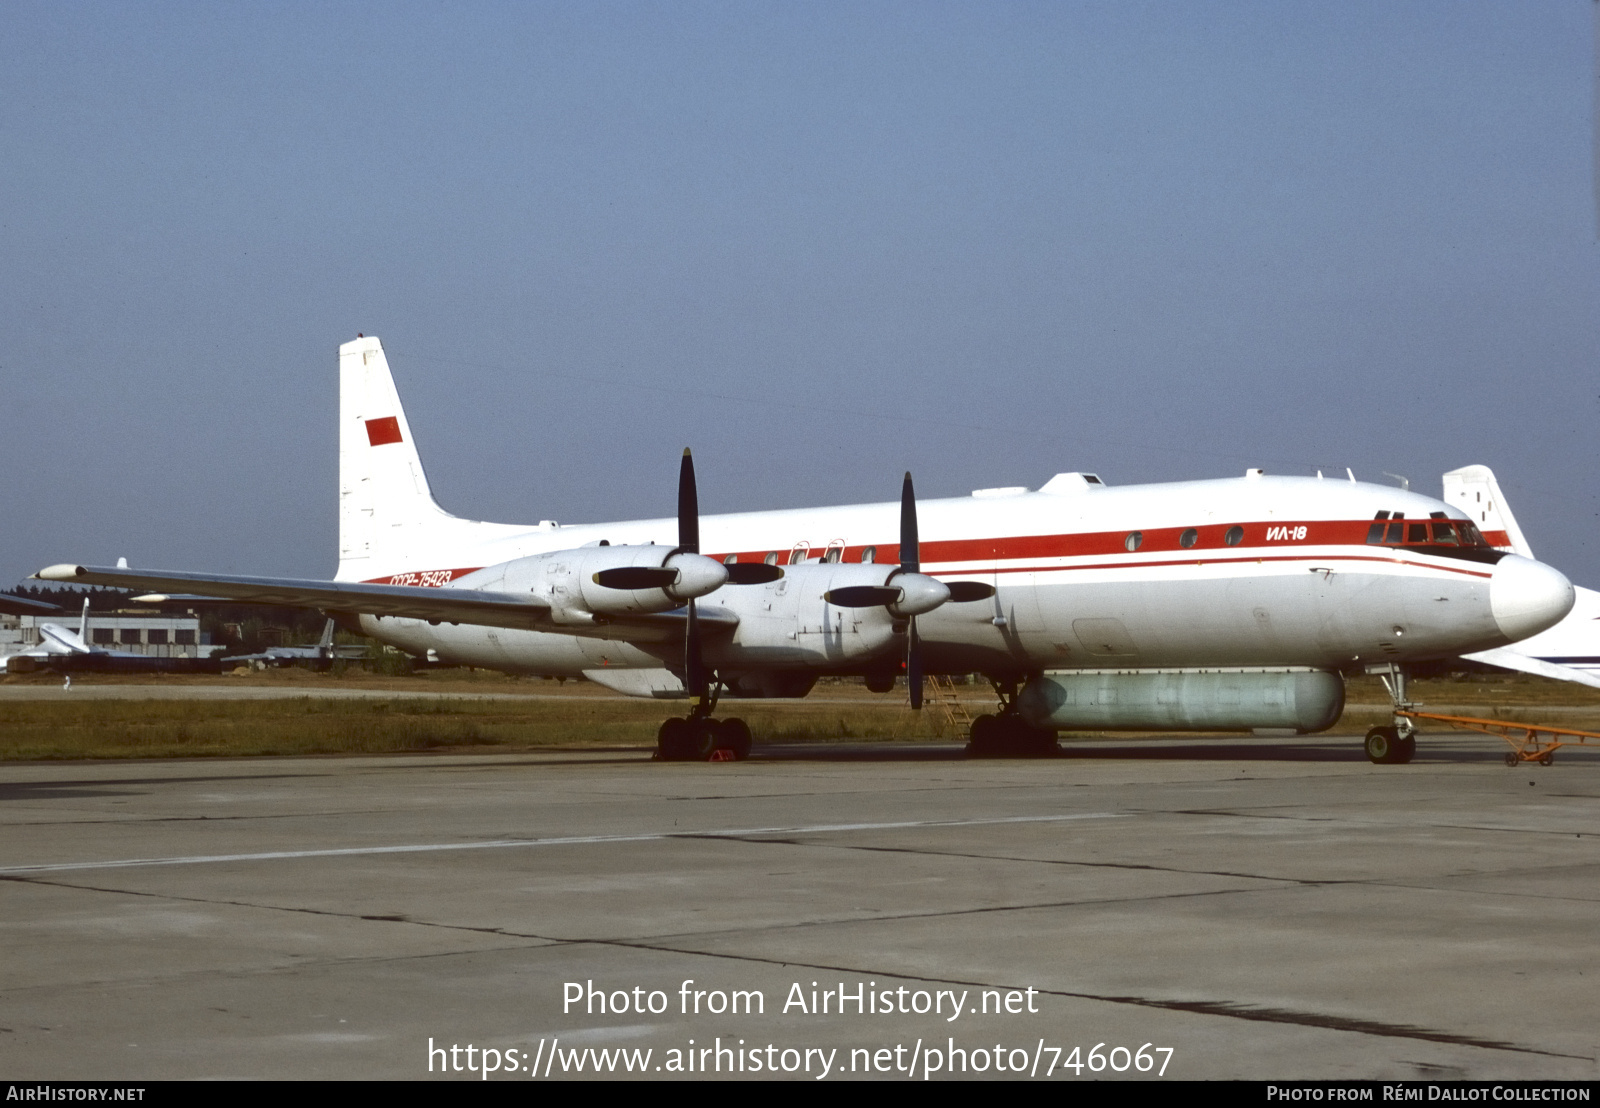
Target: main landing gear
point(1008, 735)
point(703, 739)
point(1395, 745)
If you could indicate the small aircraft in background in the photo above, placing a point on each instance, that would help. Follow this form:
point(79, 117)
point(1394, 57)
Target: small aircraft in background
point(320, 655)
point(60, 647)
point(1569, 651)
point(63, 650)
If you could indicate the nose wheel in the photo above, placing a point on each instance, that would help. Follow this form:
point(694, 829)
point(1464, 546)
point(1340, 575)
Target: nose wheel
point(1387, 747)
point(702, 739)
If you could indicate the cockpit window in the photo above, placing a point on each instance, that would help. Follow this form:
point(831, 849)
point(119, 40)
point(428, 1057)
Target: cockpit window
point(1440, 530)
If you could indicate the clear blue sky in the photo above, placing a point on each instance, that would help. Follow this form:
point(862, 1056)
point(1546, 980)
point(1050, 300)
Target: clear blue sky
point(821, 243)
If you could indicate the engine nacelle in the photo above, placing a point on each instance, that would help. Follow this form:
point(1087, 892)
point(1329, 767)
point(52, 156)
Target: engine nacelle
point(789, 623)
point(571, 580)
point(1183, 700)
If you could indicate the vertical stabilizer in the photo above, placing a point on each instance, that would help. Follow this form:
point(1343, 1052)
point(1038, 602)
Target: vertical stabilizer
point(386, 510)
point(1474, 490)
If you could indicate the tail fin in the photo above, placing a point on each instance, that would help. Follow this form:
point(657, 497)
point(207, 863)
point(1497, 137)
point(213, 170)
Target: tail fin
point(388, 520)
point(1474, 490)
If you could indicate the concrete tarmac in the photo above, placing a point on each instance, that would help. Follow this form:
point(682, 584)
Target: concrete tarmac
point(1233, 908)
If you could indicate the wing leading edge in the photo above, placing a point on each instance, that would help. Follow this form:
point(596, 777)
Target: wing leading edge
point(435, 605)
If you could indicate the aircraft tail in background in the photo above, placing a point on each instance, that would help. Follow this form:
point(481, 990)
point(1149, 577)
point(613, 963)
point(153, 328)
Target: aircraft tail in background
point(1569, 651)
point(1474, 490)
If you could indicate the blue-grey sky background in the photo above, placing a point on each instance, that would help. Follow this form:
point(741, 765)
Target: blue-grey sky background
point(822, 243)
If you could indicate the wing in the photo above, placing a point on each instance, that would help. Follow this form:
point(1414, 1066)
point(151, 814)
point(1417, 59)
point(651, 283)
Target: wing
point(436, 605)
point(1506, 658)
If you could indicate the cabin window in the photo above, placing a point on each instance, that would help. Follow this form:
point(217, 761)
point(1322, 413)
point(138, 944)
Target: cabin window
point(835, 552)
point(1132, 542)
point(1235, 535)
point(731, 559)
point(869, 555)
point(771, 559)
point(1189, 537)
point(797, 556)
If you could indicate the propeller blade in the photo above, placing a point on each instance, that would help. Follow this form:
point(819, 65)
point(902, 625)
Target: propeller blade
point(862, 596)
point(910, 556)
point(636, 577)
point(752, 573)
point(694, 666)
point(688, 507)
point(965, 592)
point(914, 666)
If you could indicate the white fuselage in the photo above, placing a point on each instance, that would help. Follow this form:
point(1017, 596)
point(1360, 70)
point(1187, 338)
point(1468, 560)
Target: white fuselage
point(1278, 571)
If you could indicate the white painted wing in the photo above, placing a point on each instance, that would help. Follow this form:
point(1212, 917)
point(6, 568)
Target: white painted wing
point(437, 605)
point(1508, 658)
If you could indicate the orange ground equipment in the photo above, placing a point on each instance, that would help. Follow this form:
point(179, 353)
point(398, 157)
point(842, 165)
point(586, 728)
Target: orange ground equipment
point(1529, 742)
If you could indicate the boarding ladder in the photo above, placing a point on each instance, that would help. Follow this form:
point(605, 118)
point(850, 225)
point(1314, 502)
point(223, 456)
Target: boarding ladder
point(941, 694)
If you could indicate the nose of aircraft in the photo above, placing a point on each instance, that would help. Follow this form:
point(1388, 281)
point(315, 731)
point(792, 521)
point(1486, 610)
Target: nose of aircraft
point(1527, 597)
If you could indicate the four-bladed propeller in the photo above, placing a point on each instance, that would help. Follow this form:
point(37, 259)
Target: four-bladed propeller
point(909, 592)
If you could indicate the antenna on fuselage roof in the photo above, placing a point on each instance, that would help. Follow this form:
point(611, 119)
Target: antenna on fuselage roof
point(1405, 482)
point(1352, 474)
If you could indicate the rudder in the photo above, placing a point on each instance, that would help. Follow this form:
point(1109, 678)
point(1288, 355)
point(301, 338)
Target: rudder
point(386, 509)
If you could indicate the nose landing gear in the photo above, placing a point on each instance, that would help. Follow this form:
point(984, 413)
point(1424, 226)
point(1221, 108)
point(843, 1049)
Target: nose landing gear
point(1395, 745)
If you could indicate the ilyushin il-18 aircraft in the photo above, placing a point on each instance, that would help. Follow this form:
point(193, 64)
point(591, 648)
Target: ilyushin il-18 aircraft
point(1236, 604)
